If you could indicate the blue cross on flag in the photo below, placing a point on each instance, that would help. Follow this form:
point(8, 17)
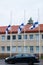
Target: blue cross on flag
point(35, 24)
point(8, 28)
point(20, 28)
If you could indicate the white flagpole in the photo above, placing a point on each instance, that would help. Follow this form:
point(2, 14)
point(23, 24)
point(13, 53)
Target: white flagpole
point(39, 36)
point(24, 30)
point(24, 27)
point(11, 34)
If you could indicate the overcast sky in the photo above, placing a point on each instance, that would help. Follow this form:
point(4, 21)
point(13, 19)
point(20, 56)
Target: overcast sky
point(18, 11)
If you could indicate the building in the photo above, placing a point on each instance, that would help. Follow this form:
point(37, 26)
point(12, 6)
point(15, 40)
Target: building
point(28, 41)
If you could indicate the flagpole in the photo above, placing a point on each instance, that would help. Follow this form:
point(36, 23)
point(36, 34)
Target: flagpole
point(11, 34)
point(39, 37)
point(24, 29)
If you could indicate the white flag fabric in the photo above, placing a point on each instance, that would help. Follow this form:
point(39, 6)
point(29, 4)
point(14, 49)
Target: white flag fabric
point(8, 28)
point(35, 24)
point(20, 28)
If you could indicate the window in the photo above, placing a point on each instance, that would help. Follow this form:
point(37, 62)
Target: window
point(31, 49)
point(3, 48)
point(8, 48)
point(19, 36)
point(13, 49)
point(31, 36)
point(25, 36)
point(37, 49)
point(3, 38)
point(14, 37)
point(25, 48)
point(19, 49)
point(42, 48)
point(42, 36)
point(8, 37)
point(37, 37)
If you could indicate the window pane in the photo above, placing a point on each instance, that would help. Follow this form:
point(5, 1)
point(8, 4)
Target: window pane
point(31, 49)
point(42, 48)
point(3, 38)
point(37, 49)
point(31, 36)
point(3, 48)
point(37, 36)
point(8, 37)
point(42, 36)
point(19, 49)
point(25, 48)
point(14, 37)
point(8, 48)
point(19, 36)
point(25, 36)
point(13, 49)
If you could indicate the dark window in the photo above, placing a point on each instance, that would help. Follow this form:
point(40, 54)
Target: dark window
point(3, 48)
point(8, 37)
point(19, 36)
point(31, 49)
point(14, 37)
point(42, 36)
point(8, 48)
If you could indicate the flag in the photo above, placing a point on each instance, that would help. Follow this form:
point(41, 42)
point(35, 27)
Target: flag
point(20, 28)
point(8, 28)
point(35, 24)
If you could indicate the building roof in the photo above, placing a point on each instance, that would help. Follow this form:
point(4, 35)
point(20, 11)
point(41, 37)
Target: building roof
point(14, 29)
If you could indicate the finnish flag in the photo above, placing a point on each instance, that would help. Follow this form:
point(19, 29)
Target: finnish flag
point(35, 24)
point(8, 28)
point(20, 28)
